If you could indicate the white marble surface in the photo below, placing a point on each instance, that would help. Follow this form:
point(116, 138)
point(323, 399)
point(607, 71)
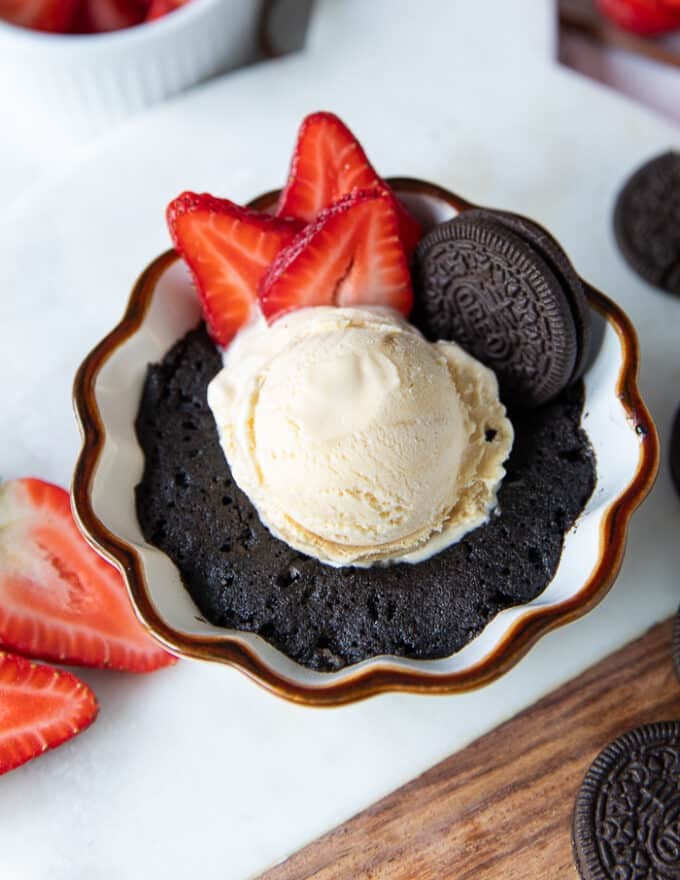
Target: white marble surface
point(195, 768)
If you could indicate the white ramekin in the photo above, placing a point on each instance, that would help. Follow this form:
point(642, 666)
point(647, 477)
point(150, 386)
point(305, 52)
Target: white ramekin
point(81, 84)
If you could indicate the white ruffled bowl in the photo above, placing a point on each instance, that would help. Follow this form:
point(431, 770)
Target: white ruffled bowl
point(163, 306)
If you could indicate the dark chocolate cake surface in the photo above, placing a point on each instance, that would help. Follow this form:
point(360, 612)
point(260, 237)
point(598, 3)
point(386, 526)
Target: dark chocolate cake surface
point(241, 577)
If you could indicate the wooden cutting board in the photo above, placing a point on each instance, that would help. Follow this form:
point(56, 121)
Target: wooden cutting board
point(502, 807)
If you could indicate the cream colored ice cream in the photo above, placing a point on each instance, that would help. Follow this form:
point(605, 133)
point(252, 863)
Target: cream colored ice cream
point(356, 439)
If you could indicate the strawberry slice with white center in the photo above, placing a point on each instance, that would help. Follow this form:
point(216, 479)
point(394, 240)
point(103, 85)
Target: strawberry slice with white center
point(54, 16)
point(40, 708)
point(228, 249)
point(351, 255)
point(329, 162)
point(59, 600)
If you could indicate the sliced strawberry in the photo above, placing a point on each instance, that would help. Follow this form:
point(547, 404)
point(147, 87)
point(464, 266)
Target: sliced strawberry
point(329, 162)
point(644, 17)
point(160, 8)
point(59, 600)
point(228, 249)
point(351, 255)
point(40, 708)
point(100, 16)
point(40, 15)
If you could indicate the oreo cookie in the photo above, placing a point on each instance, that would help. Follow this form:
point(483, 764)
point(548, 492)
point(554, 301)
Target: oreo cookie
point(627, 814)
point(675, 451)
point(647, 221)
point(492, 289)
point(549, 249)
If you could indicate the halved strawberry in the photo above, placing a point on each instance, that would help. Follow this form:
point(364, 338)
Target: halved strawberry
point(351, 255)
point(228, 249)
point(40, 708)
point(329, 162)
point(160, 8)
point(59, 600)
point(40, 15)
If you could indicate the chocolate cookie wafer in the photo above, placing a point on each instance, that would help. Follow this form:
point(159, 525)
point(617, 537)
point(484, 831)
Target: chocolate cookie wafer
point(647, 221)
point(482, 285)
point(628, 808)
point(548, 248)
point(626, 815)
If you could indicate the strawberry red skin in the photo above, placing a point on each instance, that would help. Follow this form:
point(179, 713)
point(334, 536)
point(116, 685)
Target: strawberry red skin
point(228, 249)
point(351, 255)
point(643, 17)
point(54, 16)
point(59, 600)
point(329, 162)
point(102, 16)
point(160, 8)
point(40, 708)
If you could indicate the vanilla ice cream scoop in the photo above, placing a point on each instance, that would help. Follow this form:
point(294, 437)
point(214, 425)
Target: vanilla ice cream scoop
point(356, 439)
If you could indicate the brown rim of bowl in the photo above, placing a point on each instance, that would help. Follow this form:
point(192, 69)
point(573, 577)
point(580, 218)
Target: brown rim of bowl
point(377, 676)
